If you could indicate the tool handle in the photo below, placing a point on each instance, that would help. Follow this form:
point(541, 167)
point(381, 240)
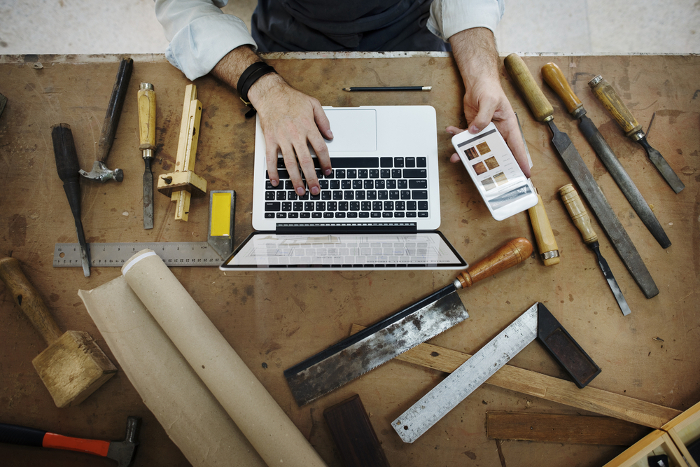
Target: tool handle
point(114, 109)
point(27, 298)
point(622, 115)
point(543, 232)
point(510, 254)
point(147, 116)
point(578, 213)
point(23, 436)
point(553, 76)
point(67, 164)
point(20, 435)
point(538, 103)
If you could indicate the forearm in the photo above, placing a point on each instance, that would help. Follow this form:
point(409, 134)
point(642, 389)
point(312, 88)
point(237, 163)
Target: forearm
point(475, 53)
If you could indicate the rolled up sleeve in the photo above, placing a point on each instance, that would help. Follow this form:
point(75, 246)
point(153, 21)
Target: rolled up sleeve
point(200, 34)
point(448, 17)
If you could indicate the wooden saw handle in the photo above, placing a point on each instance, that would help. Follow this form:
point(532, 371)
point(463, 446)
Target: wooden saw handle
point(147, 116)
point(553, 76)
point(510, 254)
point(538, 103)
point(578, 213)
point(28, 299)
point(622, 115)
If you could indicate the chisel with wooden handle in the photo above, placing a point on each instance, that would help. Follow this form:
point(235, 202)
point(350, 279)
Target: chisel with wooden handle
point(553, 76)
point(543, 112)
point(352, 357)
point(147, 145)
point(583, 223)
point(633, 130)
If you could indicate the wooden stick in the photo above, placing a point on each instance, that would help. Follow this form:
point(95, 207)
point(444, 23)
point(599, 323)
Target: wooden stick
point(556, 428)
point(546, 387)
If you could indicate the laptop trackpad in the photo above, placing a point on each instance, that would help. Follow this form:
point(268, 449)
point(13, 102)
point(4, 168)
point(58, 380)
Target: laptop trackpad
point(354, 130)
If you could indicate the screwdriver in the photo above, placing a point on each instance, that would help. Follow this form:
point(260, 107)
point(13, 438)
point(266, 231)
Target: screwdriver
point(68, 170)
point(583, 223)
point(147, 145)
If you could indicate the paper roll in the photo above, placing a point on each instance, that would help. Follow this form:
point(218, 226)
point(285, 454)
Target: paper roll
point(252, 408)
point(189, 413)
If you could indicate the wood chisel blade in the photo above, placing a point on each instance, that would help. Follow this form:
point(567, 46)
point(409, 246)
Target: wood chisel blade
point(366, 350)
point(465, 379)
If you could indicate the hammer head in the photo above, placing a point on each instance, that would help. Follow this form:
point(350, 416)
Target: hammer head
point(101, 173)
point(123, 451)
point(73, 367)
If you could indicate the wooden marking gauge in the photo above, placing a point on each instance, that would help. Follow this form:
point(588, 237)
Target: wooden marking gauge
point(181, 184)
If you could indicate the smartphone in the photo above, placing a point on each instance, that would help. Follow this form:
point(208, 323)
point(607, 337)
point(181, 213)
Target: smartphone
point(503, 186)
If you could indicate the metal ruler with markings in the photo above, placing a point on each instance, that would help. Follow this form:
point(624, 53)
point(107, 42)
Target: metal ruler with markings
point(213, 252)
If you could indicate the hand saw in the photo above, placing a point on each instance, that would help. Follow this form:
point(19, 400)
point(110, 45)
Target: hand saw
point(366, 350)
point(536, 322)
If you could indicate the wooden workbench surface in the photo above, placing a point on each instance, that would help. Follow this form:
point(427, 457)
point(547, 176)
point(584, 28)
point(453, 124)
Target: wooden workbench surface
point(276, 319)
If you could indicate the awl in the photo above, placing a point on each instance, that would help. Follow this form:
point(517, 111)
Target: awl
point(352, 357)
point(147, 145)
point(583, 224)
point(543, 112)
point(556, 80)
point(68, 170)
point(633, 129)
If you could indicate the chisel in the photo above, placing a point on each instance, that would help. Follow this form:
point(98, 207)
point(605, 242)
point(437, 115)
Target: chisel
point(69, 172)
point(555, 78)
point(147, 145)
point(633, 130)
point(543, 112)
point(583, 224)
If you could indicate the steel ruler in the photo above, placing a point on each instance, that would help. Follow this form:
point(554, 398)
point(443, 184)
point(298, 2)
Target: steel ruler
point(213, 252)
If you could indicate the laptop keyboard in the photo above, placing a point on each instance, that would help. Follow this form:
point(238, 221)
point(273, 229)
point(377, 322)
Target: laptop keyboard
point(358, 187)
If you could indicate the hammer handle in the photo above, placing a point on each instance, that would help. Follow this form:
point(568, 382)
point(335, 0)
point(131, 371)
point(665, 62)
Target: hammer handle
point(28, 299)
point(510, 254)
point(114, 109)
point(15, 434)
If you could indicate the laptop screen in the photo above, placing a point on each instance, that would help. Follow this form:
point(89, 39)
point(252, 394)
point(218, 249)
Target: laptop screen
point(270, 250)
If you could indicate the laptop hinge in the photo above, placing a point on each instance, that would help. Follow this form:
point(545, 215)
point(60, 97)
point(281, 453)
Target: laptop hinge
point(368, 228)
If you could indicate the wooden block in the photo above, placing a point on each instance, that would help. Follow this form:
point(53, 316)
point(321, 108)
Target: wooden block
point(353, 434)
point(568, 429)
point(73, 367)
point(546, 387)
point(654, 444)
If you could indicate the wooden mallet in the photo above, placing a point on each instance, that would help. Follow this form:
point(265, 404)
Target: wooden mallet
point(73, 366)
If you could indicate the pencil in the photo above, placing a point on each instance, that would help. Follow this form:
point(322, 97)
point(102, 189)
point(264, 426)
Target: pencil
point(390, 88)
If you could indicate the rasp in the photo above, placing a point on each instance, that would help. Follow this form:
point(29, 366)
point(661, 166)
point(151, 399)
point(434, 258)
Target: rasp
point(555, 78)
point(536, 322)
point(633, 130)
point(543, 112)
point(583, 223)
point(392, 336)
point(147, 145)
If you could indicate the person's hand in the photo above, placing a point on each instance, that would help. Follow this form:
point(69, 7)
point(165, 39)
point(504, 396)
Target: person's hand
point(291, 121)
point(484, 99)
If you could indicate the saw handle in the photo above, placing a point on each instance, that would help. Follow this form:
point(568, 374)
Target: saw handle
point(510, 254)
point(147, 117)
point(622, 115)
point(554, 77)
point(578, 213)
point(27, 298)
point(536, 100)
point(543, 232)
point(114, 109)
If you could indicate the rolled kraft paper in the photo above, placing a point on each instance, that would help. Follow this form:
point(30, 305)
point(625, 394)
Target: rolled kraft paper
point(189, 413)
point(252, 408)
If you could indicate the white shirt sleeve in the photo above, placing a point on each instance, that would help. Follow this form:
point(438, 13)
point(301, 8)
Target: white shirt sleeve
point(200, 34)
point(448, 17)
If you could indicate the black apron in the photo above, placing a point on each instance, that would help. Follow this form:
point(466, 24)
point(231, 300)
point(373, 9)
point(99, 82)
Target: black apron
point(337, 25)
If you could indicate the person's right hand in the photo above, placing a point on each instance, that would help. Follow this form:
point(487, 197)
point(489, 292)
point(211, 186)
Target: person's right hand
point(291, 121)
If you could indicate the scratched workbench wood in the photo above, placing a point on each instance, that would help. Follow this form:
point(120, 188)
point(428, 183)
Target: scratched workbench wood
point(275, 320)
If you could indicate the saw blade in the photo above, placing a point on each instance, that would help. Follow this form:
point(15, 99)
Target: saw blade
point(366, 350)
point(469, 376)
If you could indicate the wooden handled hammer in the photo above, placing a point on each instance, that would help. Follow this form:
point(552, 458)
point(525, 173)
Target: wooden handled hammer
point(73, 366)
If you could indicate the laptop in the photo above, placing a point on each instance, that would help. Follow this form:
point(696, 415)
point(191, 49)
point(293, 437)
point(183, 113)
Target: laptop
point(378, 209)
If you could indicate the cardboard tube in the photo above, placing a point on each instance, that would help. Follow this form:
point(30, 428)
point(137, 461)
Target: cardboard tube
point(189, 413)
point(252, 408)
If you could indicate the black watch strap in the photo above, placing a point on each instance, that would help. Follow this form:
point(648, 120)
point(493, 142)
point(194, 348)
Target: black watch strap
point(251, 74)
